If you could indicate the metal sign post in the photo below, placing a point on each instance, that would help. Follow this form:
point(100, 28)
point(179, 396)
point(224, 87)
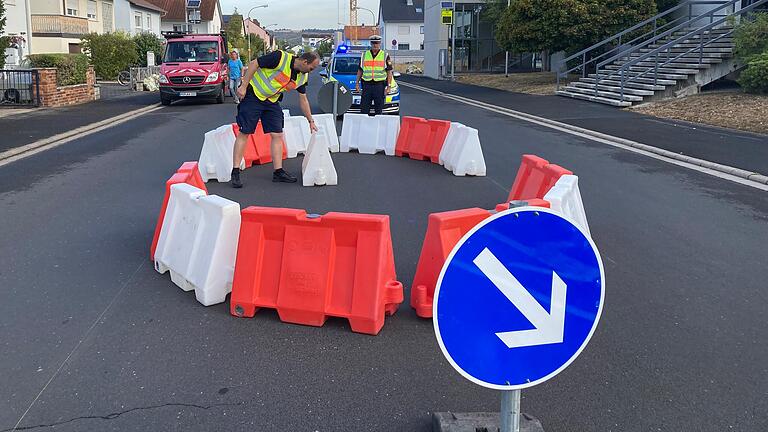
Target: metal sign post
point(506, 53)
point(510, 411)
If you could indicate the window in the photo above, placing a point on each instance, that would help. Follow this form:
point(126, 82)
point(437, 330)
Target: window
point(137, 21)
point(403, 29)
point(149, 22)
point(72, 6)
point(403, 46)
point(346, 65)
point(74, 48)
point(91, 9)
point(421, 29)
point(197, 51)
point(419, 10)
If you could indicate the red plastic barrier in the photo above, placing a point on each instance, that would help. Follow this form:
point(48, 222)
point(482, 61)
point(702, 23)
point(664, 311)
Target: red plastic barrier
point(421, 139)
point(258, 149)
point(444, 230)
point(188, 173)
point(309, 268)
point(535, 178)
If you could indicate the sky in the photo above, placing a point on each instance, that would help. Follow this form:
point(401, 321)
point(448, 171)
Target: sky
point(301, 14)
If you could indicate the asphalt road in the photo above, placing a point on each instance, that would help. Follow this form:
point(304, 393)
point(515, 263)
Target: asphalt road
point(92, 338)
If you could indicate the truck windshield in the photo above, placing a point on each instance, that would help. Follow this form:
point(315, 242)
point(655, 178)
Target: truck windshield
point(346, 65)
point(191, 51)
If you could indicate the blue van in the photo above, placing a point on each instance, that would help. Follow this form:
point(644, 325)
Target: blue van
point(343, 68)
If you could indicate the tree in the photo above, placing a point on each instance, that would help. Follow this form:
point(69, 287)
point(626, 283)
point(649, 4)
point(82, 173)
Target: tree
point(566, 25)
point(325, 48)
point(146, 42)
point(234, 29)
point(4, 40)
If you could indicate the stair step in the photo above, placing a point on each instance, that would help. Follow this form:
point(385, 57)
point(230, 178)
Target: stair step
point(607, 101)
point(632, 84)
point(663, 79)
point(614, 89)
point(673, 64)
point(687, 45)
point(666, 69)
point(606, 94)
point(714, 55)
point(686, 59)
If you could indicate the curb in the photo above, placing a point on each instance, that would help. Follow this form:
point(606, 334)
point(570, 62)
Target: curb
point(714, 166)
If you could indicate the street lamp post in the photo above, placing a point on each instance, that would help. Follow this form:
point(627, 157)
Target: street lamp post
point(247, 36)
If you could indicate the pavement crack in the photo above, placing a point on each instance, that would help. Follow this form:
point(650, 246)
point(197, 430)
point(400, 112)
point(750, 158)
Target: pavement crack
point(115, 415)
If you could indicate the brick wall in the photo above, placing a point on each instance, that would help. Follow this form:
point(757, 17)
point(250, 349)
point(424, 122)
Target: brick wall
point(51, 95)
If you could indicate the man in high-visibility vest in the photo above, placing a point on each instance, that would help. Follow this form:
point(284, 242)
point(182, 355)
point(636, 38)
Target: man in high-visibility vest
point(260, 93)
point(375, 72)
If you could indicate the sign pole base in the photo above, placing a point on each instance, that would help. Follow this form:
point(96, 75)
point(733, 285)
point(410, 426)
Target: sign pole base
point(475, 421)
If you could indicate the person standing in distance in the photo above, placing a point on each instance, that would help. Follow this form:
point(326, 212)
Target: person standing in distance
point(260, 93)
point(375, 72)
point(235, 74)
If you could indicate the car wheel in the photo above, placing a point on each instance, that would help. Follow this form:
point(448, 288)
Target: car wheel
point(220, 97)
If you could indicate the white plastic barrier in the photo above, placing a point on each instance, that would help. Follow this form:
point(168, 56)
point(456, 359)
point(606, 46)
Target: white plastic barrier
point(461, 152)
point(370, 135)
point(286, 113)
point(297, 135)
point(198, 243)
point(331, 137)
point(216, 155)
point(565, 198)
point(317, 167)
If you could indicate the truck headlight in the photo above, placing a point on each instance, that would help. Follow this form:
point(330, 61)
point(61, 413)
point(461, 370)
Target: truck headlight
point(213, 76)
point(163, 79)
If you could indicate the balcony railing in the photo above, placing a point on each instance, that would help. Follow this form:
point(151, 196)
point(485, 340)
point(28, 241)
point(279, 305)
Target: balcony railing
point(59, 25)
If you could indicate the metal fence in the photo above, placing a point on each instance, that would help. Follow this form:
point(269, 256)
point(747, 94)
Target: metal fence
point(138, 74)
point(19, 88)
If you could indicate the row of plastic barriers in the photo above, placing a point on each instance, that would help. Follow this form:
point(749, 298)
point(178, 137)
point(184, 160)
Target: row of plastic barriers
point(310, 267)
point(452, 145)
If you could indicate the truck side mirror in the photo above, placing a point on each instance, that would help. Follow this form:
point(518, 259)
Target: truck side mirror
point(324, 73)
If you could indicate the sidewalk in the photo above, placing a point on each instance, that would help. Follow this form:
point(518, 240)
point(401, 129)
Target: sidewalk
point(27, 126)
point(743, 150)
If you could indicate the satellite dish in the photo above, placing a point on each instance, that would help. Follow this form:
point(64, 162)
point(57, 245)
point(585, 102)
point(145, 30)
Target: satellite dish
point(343, 98)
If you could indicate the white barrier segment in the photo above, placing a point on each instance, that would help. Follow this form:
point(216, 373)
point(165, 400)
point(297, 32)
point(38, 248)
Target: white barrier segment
point(286, 114)
point(370, 135)
point(461, 152)
point(331, 136)
point(297, 134)
point(317, 167)
point(198, 243)
point(565, 198)
point(216, 155)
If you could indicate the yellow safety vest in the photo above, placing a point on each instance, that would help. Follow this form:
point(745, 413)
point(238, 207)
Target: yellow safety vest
point(374, 68)
point(267, 84)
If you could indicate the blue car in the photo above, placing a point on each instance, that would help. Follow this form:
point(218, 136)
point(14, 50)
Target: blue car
point(343, 68)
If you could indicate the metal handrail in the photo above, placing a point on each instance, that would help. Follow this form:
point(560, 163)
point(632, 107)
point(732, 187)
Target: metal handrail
point(618, 36)
point(667, 46)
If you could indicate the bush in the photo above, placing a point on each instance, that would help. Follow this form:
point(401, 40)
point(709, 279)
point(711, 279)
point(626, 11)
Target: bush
point(146, 42)
point(72, 68)
point(751, 37)
point(755, 77)
point(110, 53)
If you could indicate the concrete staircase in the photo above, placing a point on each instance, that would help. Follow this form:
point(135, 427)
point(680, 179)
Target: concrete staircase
point(642, 82)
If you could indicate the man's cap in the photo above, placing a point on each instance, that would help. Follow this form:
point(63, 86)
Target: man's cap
point(375, 38)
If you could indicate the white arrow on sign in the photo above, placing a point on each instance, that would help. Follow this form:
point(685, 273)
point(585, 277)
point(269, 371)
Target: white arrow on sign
point(550, 326)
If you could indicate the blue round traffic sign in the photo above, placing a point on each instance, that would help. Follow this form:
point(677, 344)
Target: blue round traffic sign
point(518, 298)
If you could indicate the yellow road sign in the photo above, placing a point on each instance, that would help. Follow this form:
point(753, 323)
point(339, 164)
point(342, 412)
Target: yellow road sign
point(447, 16)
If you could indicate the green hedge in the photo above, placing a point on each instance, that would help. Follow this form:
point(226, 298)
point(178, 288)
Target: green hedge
point(72, 68)
point(751, 36)
point(110, 53)
point(755, 77)
point(145, 42)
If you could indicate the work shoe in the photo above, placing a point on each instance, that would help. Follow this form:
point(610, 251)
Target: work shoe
point(281, 175)
point(236, 183)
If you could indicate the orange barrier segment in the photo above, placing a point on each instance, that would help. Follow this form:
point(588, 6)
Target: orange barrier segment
point(188, 173)
point(309, 267)
point(535, 178)
point(421, 139)
point(258, 150)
